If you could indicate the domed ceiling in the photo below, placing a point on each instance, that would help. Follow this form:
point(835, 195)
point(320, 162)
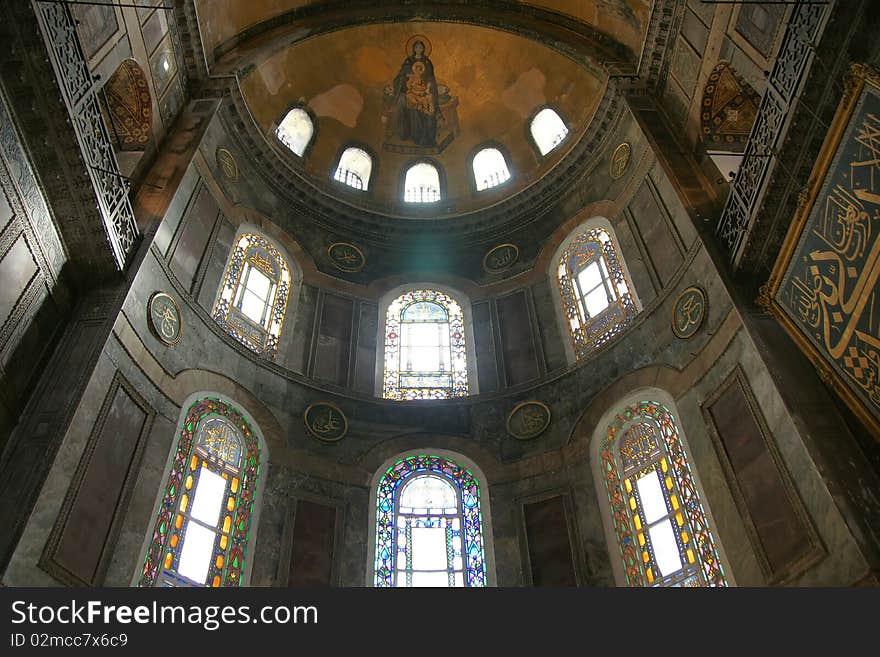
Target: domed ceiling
point(489, 82)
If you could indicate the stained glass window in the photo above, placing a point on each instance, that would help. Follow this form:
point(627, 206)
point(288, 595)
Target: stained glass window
point(548, 130)
point(295, 130)
point(425, 355)
point(421, 184)
point(596, 295)
point(253, 298)
point(201, 534)
point(354, 168)
point(429, 527)
point(662, 531)
point(490, 169)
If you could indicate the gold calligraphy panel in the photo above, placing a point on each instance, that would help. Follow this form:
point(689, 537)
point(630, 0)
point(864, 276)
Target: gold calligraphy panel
point(688, 312)
point(824, 287)
point(528, 420)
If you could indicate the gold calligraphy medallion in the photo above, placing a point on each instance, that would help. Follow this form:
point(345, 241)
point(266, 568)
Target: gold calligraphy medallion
point(165, 318)
point(500, 258)
point(688, 312)
point(528, 420)
point(326, 422)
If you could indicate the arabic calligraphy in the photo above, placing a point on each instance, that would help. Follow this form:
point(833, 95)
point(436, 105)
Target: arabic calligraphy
point(528, 420)
point(346, 257)
point(326, 421)
point(500, 257)
point(620, 160)
point(688, 312)
point(830, 286)
point(165, 318)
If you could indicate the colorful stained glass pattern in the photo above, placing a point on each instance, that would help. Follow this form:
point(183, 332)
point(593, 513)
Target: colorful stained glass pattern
point(429, 526)
point(253, 299)
point(596, 296)
point(201, 533)
point(660, 524)
point(425, 356)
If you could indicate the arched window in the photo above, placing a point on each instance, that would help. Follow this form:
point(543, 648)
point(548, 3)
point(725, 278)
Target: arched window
point(200, 537)
point(596, 296)
point(429, 526)
point(421, 184)
point(661, 529)
point(252, 301)
point(354, 168)
point(295, 130)
point(548, 130)
point(425, 355)
point(490, 169)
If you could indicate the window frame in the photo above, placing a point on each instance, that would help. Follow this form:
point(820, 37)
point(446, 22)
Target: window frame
point(485, 508)
point(472, 176)
point(374, 167)
point(196, 408)
point(620, 415)
point(273, 131)
point(531, 140)
point(418, 206)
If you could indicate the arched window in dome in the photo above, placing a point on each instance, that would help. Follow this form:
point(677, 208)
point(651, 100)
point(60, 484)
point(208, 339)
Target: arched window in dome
point(597, 297)
point(429, 525)
point(657, 516)
point(421, 183)
point(490, 169)
point(204, 520)
point(296, 130)
point(425, 355)
point(354, 168)
point(252, 302)
point(548, 130)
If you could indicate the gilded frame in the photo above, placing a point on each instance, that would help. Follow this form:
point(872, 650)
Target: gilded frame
point(859, 76)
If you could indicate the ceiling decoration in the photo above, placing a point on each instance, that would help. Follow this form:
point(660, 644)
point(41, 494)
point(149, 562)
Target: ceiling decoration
point(130, 108)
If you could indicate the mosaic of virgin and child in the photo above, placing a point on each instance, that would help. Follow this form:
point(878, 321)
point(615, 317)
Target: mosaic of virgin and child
point(419, 110)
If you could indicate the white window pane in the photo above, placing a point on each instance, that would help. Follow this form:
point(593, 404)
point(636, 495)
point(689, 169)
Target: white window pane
point(354, 168)
point(596, 301)
point(428, 548)
point(424, 335)
point(424, 359)
point(195, 555)
point(426, 579)
point(209, 498)
point(651, 496)
point(548, 130)
point(422, 184)
point(490, 168)
point(252, 306)
point(459, 580)
point(258, 283)
point(589, 277)
point(429, 493)
point(295, 130)
point(665, 548)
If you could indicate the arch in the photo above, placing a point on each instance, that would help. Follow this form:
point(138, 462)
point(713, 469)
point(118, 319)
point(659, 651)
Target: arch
point(422, 182)
point(489, 167)
point(408, 312)
point(597, 297)
point(547, 130)
point(658, 526)
point(354, 167)
point(207, 511)
point(476, 549)
point(128, 107)
point(252, 302)
point(296, 130)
